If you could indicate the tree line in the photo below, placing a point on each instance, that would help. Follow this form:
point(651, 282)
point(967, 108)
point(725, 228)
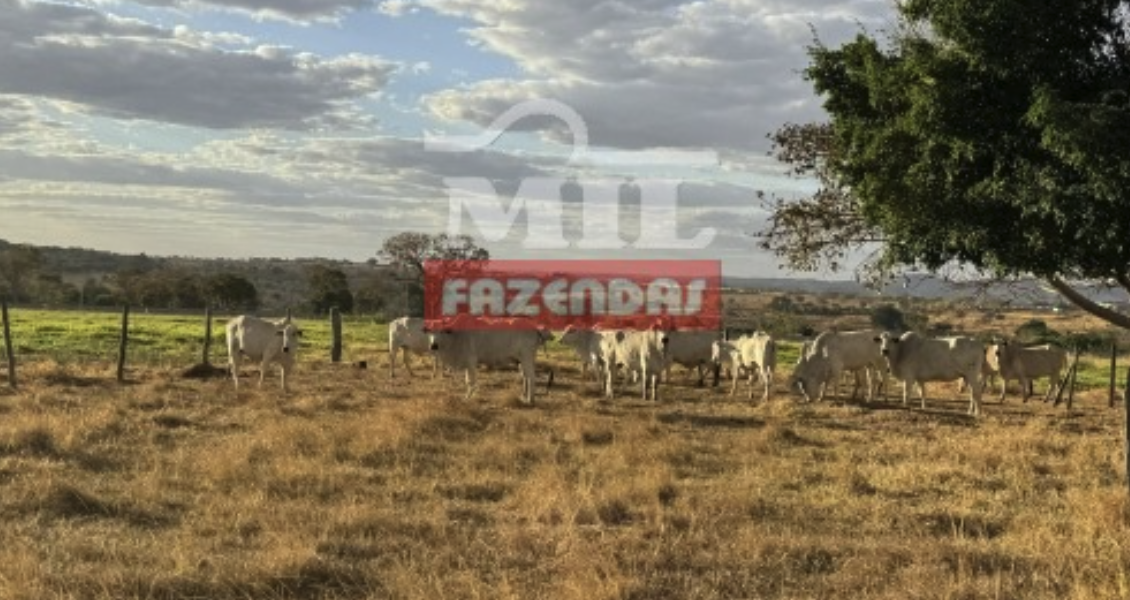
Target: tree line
point(394, 287)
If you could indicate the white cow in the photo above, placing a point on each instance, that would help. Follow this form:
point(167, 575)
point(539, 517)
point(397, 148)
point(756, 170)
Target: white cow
point(405, 335)
point(638, 352)
point(263, 341)
point(692, 350)
point(827, 357)
point(914, 359)
point(755, 354)
point(1028, 364)
point(585, 342)
point(464, 350)
point(989, 371)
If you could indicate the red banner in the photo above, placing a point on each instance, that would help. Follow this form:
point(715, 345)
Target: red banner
point(554, 294)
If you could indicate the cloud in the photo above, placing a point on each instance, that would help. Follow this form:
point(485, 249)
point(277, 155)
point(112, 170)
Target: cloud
point(289, 10)
point(128, 69)
point(712, 73)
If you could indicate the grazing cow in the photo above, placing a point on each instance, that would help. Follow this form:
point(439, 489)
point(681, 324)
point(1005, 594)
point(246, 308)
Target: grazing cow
point(1028, 364)
point(464, 350)
point(692, 350)
point(262, 341)
point(914, 359)
point(405, 335)
point(637, 352)
point(756, 354)
point(989, 371)
point(830, 355)
point(586, 343)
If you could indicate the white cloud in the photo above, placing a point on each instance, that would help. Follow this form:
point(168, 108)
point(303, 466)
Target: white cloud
point(711, 73)
point(130, 70)
point(288, 10)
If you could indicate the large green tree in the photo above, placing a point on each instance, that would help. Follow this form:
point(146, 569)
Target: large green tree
point(329, 288)
point(19, 265)
point(992, 134)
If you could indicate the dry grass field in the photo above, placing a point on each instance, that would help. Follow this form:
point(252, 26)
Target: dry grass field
point(359, 486)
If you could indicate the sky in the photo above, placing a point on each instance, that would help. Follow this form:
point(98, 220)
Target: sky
point(319, 128)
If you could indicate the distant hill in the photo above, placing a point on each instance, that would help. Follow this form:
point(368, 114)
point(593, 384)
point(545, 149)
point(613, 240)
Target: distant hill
point(1026, 293)
point(282, 282)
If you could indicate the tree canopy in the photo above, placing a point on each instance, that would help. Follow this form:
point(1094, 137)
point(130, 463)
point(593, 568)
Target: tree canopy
point(991, 134)
point(409, 250)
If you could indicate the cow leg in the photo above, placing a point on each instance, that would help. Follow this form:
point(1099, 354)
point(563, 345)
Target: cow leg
point(392, 363)
point(469, 376)
point(284, 369)
point(734, 383)
point(609, 375)
point(975, 398)
point(234, 363)
point(922, 394)
point(767, 376)
point(528, 378)
point(407, 366)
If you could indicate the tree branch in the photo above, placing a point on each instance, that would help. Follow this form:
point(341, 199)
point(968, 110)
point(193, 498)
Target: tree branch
point(1085, 303)
point(1123, 280)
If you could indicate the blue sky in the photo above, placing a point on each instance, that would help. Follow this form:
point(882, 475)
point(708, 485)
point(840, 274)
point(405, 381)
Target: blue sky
point(296, 128)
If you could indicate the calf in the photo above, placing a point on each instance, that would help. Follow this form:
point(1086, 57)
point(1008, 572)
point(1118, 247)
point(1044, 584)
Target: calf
point(756, 354)
point(637, 352)
point(585, 342)
point(263, 341)
point(405, 335)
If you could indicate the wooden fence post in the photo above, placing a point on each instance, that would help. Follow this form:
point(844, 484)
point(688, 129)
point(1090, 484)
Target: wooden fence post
point(335, 329)
point(1126, 411)
point(8, 344)
point(207, 335)
point(122, 344)
point(1113, 372)
point(1074, 375)
point(1068, 378)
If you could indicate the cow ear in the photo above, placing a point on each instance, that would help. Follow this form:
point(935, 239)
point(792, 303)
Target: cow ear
point(619, 336)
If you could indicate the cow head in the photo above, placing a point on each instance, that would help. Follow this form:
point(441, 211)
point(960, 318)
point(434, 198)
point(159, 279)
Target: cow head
point(810, 373)
point(888, 344)
point(439, 339)
point(289, 332)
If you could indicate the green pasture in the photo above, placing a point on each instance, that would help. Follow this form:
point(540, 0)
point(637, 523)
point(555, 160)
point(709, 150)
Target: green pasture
point(165, 340)
point(176, 341)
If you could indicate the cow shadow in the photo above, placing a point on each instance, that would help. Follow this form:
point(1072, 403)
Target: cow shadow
point(710, 421)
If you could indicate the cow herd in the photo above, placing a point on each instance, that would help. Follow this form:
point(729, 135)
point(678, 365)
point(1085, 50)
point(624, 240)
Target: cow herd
point(613, 358)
